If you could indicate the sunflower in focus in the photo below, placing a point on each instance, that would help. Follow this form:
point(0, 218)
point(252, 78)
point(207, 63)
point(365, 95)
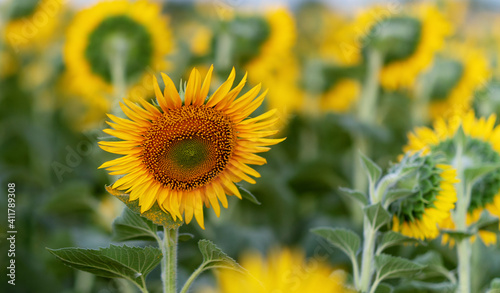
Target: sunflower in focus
point(32, 23)
point(191, 150)
point(481, 145)
point(341, 96)
point(456, 77)
point(408, 41)
point(282, 271)
point(421, 214)
point(114, 43)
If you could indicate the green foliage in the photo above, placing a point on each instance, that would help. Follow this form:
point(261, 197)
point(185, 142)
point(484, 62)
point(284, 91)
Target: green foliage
point(390, 267)
point(346, 240)
point(248, 195)
point(131, 263)
point(154, 214)
point(391, 238)
point(213, 257)
point(131, 226)
point(372, 170)
point(377, 215)
point(357, 195)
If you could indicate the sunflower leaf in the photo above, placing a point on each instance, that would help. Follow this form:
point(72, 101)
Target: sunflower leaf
point(473, 174)
point(395, 194)
point(130, 226)
point(357, 195)
point(494, 286)
point(154, 214)
point(373, 170)
point(248, 195)
point(431, 287)
point(131, 263)
point(213, 257)
point(384, 288)
point(377, 215)
point(390, 267)
point(391, 238)
point(185, 237)
point(457, 235)
point(346, 240)
point(434, 266)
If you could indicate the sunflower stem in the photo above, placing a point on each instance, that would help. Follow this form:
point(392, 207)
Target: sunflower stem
point(368, 254)
point(117, 58)
point(169, 260)
point(420, 113)
point(460, 217)
point(367, 115)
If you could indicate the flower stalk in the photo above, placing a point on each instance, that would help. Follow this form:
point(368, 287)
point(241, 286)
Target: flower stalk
point(169, 260)
point(460, 217)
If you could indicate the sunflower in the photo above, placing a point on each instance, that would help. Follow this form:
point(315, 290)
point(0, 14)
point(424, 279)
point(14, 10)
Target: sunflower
point(130, 36)
point(481, 145)
point(341, 96)
point(420, 214)
point(456, 77)
point(189, 151)
point(32, 23)
point(407, 50)
point(284, 270)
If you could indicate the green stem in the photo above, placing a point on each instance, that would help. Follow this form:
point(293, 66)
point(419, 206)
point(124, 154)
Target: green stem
point(169, 260)
point(460, 218)
point(191, 279)
point(367, 258)
point(117, 59)
point(366, 114)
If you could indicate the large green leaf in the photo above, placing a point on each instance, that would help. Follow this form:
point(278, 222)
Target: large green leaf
point(425, 287)
point(345, 240)
point(131, 226)
point(132, 263)
point(434, 266)
point(389, 267)
point(154, 214)
point(384, 288)
point(391, 238)
point(377, 215)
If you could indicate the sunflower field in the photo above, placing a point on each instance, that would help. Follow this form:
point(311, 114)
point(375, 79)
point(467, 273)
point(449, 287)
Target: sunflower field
point(230, 146)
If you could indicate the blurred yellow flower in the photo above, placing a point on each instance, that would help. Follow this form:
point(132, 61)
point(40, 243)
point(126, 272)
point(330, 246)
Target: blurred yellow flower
point(117, 43)
point(341, 96)
point(473, 71)
point(32, 23)
point(283, 270)
point(190, 152)
point(401, 68)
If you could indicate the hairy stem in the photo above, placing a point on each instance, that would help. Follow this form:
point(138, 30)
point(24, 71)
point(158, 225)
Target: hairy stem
point(169, 260)
point(367, 258)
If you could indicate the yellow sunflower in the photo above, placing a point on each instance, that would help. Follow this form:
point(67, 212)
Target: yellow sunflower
point(481, 146)
point(425, 32)
point(189, 152)
point(284, 270)
point(421, 214)
point(32, 23)
point(341, 96)
point(276, 65)
point(279, 43)
point(468, 70)
point(117, 41)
